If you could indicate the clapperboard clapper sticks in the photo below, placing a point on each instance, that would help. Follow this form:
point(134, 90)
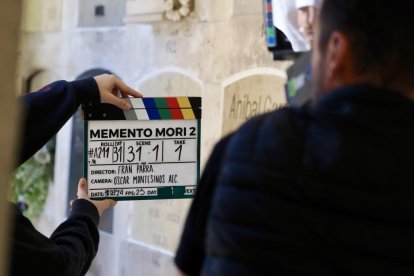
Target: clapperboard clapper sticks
point(151, 151)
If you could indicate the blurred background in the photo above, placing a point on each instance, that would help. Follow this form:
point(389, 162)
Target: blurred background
point(221, 50)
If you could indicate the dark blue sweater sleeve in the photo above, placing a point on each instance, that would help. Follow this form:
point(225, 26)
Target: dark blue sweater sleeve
point(77, 238)
point(73, 245)
point(46, 111)
point(68, 252)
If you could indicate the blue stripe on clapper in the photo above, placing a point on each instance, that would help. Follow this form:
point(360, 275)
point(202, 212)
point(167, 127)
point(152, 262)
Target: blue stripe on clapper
point(149, 103)
point(153, 114)
point(151, 108)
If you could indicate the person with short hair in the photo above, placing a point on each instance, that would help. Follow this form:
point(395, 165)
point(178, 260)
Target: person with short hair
point(325, 189)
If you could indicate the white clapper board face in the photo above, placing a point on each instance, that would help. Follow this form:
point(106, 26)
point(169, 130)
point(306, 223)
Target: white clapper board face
point(149, 152)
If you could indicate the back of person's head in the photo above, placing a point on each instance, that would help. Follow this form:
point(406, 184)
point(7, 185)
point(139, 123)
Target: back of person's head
point(381, 37)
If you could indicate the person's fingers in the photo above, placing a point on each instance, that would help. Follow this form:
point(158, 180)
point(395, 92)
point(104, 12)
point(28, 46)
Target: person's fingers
point(102, 205)
point(123, 94)
point(119, 102)
point(82, 188)
point(71, 202)
point(117, 92)
point(126, 89)
point(109, 203)
point(110, 88)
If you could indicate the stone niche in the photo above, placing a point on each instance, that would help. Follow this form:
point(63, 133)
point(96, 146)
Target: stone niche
point(249, 96)
point(158, 223)
point(170, 84)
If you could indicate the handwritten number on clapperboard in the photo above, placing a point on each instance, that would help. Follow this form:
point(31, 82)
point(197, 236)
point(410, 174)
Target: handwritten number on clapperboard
point(179, 149)
point(139, 151)
point(131, 152)
point(117, 154)
point(156, 152)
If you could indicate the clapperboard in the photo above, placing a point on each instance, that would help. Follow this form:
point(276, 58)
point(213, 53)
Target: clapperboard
point(151, 151)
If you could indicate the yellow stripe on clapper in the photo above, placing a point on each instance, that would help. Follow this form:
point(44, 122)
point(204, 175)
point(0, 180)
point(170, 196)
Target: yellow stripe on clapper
point(188, 114)
point(184, 102)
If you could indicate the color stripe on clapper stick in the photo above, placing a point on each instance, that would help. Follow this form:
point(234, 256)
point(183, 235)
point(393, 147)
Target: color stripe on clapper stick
point(169, 108)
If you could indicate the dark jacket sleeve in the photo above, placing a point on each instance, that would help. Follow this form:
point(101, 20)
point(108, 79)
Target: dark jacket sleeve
point(73, 245)
point(191, 251)
point(69, 251)
point(46, 111)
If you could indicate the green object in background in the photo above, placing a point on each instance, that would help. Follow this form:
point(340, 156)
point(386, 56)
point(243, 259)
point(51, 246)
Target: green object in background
point(30, 182)
point(298, 87)
point(291, 88)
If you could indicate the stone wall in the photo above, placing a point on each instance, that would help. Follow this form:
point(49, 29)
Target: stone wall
point(218, 52)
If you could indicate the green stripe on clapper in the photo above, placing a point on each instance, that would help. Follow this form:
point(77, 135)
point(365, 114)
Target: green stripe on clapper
point(165, 114)
point(163, 109)
point(161, 103)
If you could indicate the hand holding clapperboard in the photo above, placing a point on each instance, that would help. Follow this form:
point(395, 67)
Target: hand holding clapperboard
point(151, 151)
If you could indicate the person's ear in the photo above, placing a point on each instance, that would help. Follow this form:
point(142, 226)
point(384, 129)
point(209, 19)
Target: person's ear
point(338, 59)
